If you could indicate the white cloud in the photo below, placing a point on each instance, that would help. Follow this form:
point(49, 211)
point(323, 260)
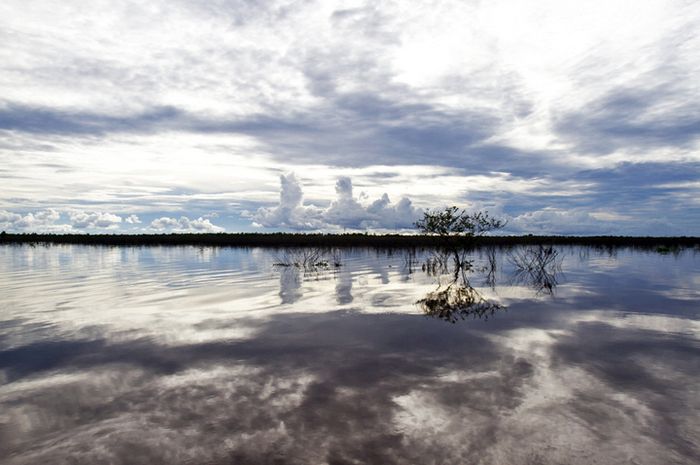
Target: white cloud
point(325, 87)
point(581, 221)
point(44, 220)
point(290, 212)
point(8, 217)
point(185, 224)
point(575, 221)
point(79, 220)
point(345, 211)
point(164, 223)
point(49, 220)
point(544, 221)
point(94, 220)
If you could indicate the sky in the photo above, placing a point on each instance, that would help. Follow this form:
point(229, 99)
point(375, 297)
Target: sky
point(562, 117)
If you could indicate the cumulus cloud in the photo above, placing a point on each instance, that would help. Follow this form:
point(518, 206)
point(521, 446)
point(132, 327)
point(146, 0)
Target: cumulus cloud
point(290, 212)
point(345, 211)
point(555, 221)
point(185, 224)
point(580, 221)
point(51, 220)
point(584, 221)
point(94, 220)
point(41, 220)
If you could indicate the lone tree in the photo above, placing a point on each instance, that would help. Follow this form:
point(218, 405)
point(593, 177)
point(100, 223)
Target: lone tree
point(455, 226)
point(454, 221)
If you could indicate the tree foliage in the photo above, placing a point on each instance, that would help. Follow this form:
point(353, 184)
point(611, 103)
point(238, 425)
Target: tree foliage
point(454, 221)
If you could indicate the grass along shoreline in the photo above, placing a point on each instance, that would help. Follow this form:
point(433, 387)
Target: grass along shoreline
point(343, 240)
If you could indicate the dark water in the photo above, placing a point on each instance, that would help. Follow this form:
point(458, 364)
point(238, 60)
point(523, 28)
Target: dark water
point(215, 356)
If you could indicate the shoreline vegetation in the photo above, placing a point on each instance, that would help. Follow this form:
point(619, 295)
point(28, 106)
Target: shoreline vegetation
point(344, 240)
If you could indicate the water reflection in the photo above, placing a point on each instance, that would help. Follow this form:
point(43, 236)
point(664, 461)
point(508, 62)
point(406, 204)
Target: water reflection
point(290, 285)
point(343, 287)
point(173, 356)
point(457, 300)
point(537, 266)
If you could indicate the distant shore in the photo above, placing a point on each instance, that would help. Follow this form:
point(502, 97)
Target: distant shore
point(342, 240)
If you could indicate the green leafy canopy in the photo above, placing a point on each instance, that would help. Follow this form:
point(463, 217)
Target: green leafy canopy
point(452, 221)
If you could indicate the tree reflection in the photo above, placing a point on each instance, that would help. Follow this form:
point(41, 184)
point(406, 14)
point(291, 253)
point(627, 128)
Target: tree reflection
point(458, 300)
point(537, 267)
point(491, 267)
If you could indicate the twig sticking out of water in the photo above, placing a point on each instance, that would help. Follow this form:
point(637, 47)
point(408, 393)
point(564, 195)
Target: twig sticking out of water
point(308, 258)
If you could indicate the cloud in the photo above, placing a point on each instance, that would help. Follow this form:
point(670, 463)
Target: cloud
point(555, 221)
point(640, 118)
point(41, 120)
point(344, 212)
point(80, 220)
point(44, 220)
point(290, 212)
point(51, 220)
point(94, 220)
point(185, 224)
point(340, 89)
point(587, 221)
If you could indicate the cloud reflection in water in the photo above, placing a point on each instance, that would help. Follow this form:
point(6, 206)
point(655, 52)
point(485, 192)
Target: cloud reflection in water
point(166, 355)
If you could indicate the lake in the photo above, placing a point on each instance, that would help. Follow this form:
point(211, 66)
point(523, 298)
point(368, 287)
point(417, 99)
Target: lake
point(197, 355)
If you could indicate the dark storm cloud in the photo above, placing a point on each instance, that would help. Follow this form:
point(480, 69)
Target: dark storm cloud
point(45, 120)
point(392, 124)
point(656, 197)
point(635, 185)
point(638, 184)
point(51, 121)
point(661, 192)
point(643, 175)
point(633, 118)
point(355, 130)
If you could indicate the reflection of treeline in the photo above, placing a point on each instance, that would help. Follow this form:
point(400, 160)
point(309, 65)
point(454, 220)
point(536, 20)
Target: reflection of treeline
point(346, 240)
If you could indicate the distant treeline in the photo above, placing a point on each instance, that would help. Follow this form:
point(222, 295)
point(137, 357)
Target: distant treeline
point(342, 240)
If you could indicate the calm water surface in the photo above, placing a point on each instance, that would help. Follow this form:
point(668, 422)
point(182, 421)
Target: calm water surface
point(215, 356)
